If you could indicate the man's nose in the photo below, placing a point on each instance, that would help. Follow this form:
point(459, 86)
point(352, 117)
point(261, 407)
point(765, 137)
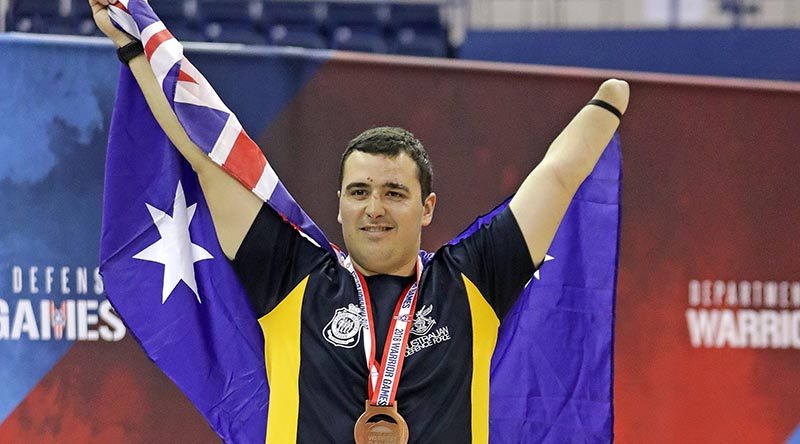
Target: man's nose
point(375, 207)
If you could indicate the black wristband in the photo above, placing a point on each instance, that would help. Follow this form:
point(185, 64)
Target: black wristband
point(607, 106)
point(129, 51)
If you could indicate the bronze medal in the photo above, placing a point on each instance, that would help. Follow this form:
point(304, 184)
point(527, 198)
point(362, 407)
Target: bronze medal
point(382, 424)
point(372, 426)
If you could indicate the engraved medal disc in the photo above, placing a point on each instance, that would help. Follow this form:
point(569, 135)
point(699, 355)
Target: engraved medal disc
point(373, 428)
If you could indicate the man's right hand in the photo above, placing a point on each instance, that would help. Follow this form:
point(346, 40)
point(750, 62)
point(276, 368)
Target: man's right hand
point(103, 21)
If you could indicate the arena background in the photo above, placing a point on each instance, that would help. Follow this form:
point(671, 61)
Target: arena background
point(710, 197)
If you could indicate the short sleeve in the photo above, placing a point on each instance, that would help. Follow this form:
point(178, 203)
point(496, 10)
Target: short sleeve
point(496, 259)
point(273, 259)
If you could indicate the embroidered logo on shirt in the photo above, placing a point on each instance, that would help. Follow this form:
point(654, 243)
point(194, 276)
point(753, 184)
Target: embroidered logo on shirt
point(441, 334)
point(422, 323)
point(344, 329)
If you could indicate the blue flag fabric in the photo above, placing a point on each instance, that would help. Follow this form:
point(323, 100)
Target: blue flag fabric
point(167, 277)
point(552, 369)
point(206, 338)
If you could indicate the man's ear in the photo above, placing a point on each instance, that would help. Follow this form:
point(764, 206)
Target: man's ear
point(339, 207)
point(427, 209)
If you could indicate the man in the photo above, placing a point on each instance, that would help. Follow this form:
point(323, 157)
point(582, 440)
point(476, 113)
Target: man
point(375, 329)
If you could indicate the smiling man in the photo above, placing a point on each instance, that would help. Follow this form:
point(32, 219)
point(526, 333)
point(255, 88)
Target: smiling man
point(346, 319)
point(381, 343)
point(384, 175)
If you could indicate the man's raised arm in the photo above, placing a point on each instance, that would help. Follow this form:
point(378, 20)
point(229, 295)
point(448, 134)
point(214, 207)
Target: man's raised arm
point(543, 198)
point(233, 207)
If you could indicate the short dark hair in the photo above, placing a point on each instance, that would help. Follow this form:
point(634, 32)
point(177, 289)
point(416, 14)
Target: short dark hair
point(392, 141)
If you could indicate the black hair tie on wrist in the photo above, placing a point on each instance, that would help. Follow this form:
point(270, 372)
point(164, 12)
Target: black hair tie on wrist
point(607, 106)
point(129, 51)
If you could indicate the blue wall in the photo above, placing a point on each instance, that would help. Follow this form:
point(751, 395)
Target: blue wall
point(766, 54)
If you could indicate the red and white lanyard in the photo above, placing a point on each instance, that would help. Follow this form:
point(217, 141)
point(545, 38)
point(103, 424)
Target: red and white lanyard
point(383, 378)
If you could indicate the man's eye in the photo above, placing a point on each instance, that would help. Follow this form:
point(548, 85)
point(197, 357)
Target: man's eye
point(358, 193)
point(395, 195)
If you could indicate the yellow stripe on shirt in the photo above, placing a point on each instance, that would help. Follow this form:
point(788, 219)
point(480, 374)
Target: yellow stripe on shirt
point(484, 338)
point(281, 328)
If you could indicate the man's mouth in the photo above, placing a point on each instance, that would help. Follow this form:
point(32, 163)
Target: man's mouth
point(375, 229)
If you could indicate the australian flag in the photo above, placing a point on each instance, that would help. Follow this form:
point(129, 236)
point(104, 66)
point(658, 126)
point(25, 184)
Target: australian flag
point(167, 277)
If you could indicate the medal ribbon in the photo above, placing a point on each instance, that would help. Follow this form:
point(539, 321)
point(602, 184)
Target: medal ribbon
point(383, 378)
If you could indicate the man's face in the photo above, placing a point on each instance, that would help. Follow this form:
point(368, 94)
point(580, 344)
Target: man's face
point(382, 213)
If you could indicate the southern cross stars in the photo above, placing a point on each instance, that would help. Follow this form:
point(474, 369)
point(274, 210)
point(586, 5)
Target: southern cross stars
point(175, 249)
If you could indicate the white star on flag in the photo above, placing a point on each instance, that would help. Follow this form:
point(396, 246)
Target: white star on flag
point(547, 257)
point(175, 249)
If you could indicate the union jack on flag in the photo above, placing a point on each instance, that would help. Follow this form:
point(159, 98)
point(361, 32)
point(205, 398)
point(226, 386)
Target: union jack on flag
point(167, 277)
point(206, 119)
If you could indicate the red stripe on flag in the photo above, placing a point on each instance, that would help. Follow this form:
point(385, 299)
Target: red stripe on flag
point(155, 41)
point(183, 77)
point(120, 6)
point(246, 161)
